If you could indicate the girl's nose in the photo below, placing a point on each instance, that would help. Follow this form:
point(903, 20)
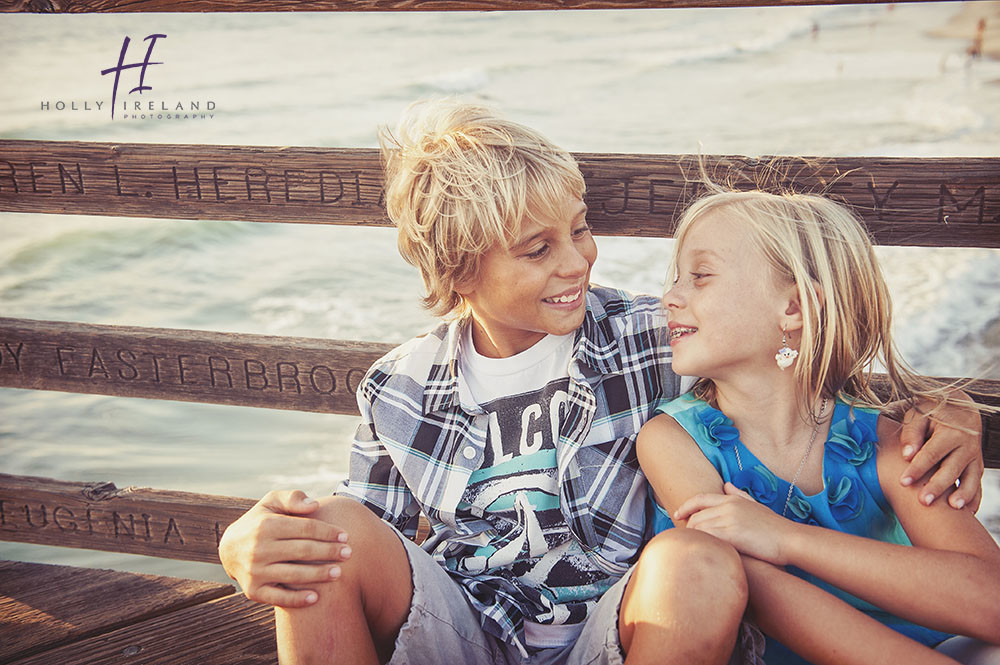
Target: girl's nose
point(673, 298)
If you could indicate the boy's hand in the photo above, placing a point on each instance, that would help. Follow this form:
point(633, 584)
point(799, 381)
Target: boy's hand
point(957, 454)
point(275, 546)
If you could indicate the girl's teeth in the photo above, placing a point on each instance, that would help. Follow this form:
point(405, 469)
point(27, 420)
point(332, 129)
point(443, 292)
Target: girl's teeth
point(677, 332)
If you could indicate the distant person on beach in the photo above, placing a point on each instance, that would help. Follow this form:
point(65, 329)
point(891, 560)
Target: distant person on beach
point(512, 428)
point(975, 50)
point(742, 456)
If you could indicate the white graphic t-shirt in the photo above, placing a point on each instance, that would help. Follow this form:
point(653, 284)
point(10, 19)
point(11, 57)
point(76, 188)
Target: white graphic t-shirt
point(516, 489)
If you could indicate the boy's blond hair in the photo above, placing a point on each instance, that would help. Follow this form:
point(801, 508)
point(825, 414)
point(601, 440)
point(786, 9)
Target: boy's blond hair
point(459, 180)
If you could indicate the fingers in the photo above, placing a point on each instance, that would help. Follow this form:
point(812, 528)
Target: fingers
point(310, 551)
point(929, 456)
point(913, 434)
point(970, 489)
point(289, 502)
point(978, 498)
point(274, 582)
point(275, 595)
point(707, 521)
point(733, 490)
point(943, 480)
point(696, 503)
point(297, 574)
point(287, 527)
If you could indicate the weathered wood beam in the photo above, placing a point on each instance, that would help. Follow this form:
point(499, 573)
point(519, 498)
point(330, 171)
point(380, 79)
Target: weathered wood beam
point(944, 202)
point(293, 373)
point(99, 516)
point(88, 6)
point(133, 520)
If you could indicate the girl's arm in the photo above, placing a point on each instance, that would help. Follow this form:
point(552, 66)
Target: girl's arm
point(815, 624)
point(949, 580)
point(822, 628)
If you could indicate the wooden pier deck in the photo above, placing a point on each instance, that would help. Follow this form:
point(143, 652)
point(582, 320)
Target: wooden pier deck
point(76, 616)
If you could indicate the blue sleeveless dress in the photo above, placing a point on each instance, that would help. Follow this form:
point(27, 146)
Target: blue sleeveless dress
point(851, 500)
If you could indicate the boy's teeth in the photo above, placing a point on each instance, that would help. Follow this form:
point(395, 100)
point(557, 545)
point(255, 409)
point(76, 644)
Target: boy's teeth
point(569, 298)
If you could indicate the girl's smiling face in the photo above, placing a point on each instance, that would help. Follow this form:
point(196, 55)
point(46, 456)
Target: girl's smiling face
point(726, 307)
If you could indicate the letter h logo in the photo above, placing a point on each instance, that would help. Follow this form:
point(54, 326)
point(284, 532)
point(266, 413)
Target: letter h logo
point(142, 72)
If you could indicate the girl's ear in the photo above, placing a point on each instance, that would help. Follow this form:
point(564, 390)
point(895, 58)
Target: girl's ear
point(792, 317)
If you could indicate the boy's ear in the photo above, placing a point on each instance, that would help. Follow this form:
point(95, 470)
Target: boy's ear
point(466, 286)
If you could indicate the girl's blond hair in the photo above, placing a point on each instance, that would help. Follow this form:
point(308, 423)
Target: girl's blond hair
point(459, 180)
point(821, 247)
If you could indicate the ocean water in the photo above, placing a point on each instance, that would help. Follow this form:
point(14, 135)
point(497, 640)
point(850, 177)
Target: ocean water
point(849, 80)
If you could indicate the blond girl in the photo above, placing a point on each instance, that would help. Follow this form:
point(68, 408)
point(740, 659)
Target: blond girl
point(781, 450)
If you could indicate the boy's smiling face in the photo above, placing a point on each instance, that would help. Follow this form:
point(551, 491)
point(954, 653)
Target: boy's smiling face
point(536, 287)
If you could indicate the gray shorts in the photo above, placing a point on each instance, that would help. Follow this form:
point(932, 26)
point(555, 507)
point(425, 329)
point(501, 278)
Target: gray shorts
point(443, 628)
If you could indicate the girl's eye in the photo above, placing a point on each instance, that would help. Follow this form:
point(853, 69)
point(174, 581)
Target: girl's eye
point(581, 231)
point(696, 276)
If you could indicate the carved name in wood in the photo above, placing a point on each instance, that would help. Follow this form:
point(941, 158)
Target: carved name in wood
point(223, 368)
point(176, 525)
point(253, 370)
point(939, 201)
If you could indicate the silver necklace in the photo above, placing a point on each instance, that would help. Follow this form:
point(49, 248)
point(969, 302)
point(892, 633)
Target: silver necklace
point(802, 462)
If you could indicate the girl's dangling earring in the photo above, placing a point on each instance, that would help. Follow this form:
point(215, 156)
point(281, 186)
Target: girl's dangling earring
point(785, 356)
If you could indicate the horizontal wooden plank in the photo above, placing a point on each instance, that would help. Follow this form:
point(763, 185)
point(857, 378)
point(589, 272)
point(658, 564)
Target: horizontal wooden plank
point(44, 607)
point(984, 391)
point(188, 365)
point(904, 201)
point(294, 373)
point(227, 631)
point(134, 520)
point(87, 6)
point(99, 516)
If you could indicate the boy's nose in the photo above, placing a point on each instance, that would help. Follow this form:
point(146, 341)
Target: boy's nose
point(574, 263)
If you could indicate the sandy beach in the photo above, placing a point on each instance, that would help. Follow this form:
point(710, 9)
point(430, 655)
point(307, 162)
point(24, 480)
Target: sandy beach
point(964, 25)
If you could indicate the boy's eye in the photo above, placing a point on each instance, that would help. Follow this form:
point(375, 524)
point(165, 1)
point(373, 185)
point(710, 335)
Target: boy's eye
point(581, 231)
point(537, 253)
point(696, 276)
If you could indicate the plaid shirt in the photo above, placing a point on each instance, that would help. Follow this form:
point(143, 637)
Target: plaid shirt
point(421, 437)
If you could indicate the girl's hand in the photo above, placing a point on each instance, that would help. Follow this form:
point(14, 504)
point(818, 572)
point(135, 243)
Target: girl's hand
point(734, 517)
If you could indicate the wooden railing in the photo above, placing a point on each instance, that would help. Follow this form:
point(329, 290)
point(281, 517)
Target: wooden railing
point(942, 202)
point(88, 6)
